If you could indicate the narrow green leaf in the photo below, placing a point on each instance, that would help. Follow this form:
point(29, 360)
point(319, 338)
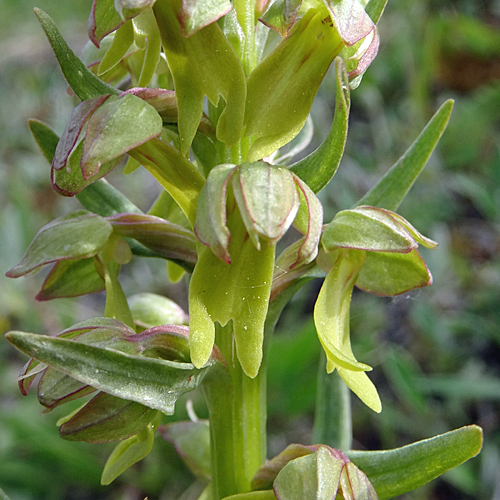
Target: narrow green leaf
point(390, 191)
point(83, 82)
point(123, 39)
point(318, 168)
point(106, 418)
point(77, 235)
point(3, 496)
point(45, 137)
point(394, 472)
point(151, 382)
point(375, 9)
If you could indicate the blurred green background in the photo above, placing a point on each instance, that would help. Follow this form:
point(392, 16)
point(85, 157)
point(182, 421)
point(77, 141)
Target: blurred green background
point(435, 352)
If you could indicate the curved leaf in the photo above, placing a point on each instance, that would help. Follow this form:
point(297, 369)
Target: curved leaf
point(394, 472)
point(77, 235)
point(390, 191)
point(318, 168)
point(152, 382)
point(83, 82)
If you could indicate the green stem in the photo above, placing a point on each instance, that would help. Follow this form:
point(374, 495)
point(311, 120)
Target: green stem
point(333, 422)
point(237, 406)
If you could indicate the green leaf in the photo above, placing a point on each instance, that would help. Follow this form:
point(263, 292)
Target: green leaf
point(166, 239)
point(192, 443)
point(281, 15)
point(315, 477)
point(375, 9)
point(150, 309)
point(127, 453)
point(318, 168)
point(103, 20)
point(392, 188)
point(394, 472)
point(204, 64)
point(45, 137)
point(178, 176)
point(389, 274)
point(77, 235)
point(196, 14)
point(106, 418)
point(281, 89)
point(83, 82)
point(71, 278)
point(152, 382)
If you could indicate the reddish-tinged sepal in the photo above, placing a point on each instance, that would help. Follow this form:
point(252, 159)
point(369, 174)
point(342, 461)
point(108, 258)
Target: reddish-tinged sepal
point(196, 14)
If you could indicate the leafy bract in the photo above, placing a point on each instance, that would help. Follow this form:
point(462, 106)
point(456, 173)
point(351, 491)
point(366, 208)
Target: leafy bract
point(394, 472)
point(392, 188)
point(150, 310)
point(82, 81)
point(77, 235)
point(156, 383)
point(318, 168)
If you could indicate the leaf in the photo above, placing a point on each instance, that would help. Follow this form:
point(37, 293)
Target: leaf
point(375, 9)
point(281, 15)
point(122, 41)
point(166, 239)
point(45, 137)
point(204, 64)
point(77, 235)
point(83, 82)
point(192, 443)
point(196, 14)
point(71, 278)
point(390, 191)
point(127, 453)
point(394, 472)
point(106, 418)
point(120, 124)
point(315, 477)
point(253, 495)
point(152, 382)
point(390, 274)
point(318, 168)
